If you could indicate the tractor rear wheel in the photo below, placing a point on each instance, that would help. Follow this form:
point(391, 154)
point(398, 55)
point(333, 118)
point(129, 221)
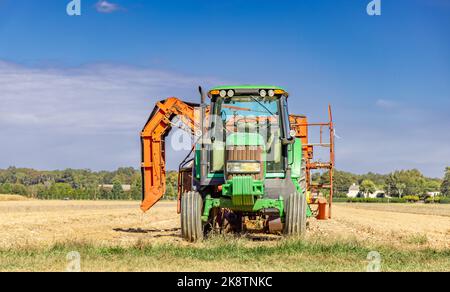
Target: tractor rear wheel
point(191, 216)
point(295, 218)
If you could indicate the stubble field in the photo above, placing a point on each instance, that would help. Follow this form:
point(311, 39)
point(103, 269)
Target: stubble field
point(116, 236)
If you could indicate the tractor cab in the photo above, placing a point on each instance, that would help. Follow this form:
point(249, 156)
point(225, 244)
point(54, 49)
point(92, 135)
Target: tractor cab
point(249, 131)
point(247, 123)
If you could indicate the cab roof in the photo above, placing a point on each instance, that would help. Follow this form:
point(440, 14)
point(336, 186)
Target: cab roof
point(250, 87)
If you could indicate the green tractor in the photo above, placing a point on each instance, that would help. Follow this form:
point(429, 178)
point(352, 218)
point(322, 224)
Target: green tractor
point(247, 164)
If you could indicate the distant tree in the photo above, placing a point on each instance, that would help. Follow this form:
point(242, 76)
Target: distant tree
point(117, 191)
point(367, 187)
point(136, 187)
point(84, 183)
point(124, 175)
point(19, 189)
point(445, 187)
point(91, 191)
point(171, 185)
point(406, 183)
point(6, 188)
point(432, 185)
point(400, 187)
point(42, 192)
point(60, 191)
point(342, 182)
point(378, 179)
point(105, 194)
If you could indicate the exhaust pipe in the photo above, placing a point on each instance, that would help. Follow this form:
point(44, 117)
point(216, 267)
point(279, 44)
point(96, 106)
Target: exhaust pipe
point(203, 154)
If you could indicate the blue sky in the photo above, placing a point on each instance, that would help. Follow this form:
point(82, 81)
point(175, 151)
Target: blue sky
point(75, 91)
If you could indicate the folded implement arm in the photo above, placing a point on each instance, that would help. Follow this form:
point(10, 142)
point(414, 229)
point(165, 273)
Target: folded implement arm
point(153, 146)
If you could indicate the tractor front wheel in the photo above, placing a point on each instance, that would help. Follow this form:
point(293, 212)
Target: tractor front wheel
point(295, 218)
point(191, 220)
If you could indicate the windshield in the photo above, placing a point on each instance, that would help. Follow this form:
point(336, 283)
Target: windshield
point(251, 114)
point(249, 106)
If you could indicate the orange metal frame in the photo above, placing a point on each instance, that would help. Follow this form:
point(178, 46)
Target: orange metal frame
point(302, 127)
point(153, 147)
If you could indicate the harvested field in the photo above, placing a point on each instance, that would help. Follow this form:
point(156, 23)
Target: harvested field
point(36, 234)
point(45, 223)
point(400, 225)
point(423, 209)
point(7, 198)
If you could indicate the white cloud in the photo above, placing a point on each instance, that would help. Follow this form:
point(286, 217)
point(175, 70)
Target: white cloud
point(386, 104)
point(81, 117)
point(104, 6)
point(91, 116)
point(96, 98)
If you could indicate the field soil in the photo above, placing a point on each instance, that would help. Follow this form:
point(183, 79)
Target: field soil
point(42, 225)
point(103, 223)
point(402, 225)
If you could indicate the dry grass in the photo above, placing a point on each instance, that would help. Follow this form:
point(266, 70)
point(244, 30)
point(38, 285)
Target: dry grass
point(45, 223)
point(420, 209)
point(116, 236)
point(385, 226)
point(222, 254)
point(10, 198)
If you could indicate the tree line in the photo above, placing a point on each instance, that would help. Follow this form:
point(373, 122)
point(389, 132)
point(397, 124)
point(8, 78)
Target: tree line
point(76, 184)
point(395, 184)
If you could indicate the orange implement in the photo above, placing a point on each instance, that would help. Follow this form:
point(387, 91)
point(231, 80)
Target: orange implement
point(153, 147)
point(322, 202)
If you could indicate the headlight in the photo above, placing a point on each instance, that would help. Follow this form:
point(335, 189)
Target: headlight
point(263, 93)
point(223, 93)
point(230, 93)
point(271, 93)
point(243, 167)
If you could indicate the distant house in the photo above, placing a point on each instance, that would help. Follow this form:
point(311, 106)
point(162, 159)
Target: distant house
point(353, 191)
point(125, 188)
point(378, 194)
point(433, 194)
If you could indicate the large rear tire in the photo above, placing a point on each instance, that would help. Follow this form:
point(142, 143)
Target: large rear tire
point(191, 217)
point(295, 218)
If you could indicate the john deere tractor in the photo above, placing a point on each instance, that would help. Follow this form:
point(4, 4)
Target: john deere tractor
point(247, 164)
